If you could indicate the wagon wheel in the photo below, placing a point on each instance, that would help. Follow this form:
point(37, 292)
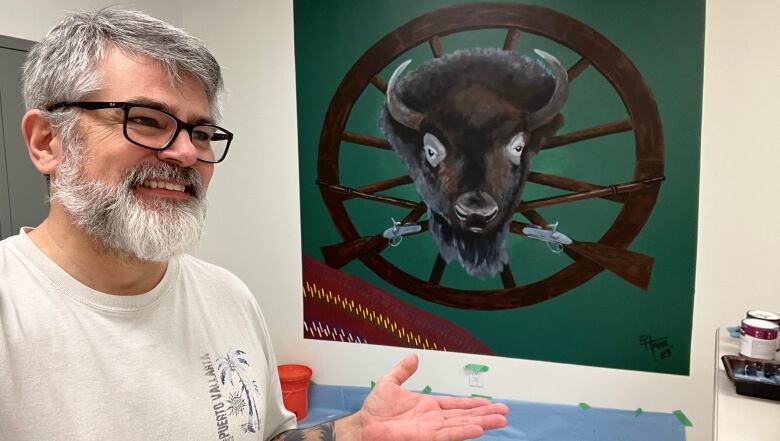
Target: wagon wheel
point(637, 197)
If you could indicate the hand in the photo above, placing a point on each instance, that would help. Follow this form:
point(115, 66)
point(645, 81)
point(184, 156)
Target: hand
point(392, 413)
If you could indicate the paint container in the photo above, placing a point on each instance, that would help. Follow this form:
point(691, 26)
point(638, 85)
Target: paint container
point(764, 315)
point(758, 339)
point(295, 388)
point(768, 316)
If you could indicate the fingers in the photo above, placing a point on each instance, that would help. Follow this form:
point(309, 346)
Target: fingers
point(402, 371)
point(492, 409)
point(460, 429)
point(486, 422)
point(468, 418)
point(469, 403)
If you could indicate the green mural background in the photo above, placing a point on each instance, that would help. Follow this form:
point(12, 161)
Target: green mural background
point(604, 322)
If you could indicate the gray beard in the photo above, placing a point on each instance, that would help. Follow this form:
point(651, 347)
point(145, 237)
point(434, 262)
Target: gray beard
point(122, 224)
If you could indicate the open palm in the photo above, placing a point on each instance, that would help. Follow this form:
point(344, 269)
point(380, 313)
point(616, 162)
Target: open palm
point(392, 413)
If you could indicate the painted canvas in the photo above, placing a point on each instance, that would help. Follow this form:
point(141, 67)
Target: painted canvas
point(512, 179)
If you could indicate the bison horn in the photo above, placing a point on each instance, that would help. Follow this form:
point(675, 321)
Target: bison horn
point(559, 96)
point(396, 107)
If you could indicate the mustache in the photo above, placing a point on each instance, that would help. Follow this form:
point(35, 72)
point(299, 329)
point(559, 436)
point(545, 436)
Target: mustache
point(190, 177)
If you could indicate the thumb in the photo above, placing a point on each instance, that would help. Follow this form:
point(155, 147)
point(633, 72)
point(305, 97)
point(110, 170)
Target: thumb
point(402, 371)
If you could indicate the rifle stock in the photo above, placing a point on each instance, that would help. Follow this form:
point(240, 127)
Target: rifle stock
point(632, 267)
point(340, 254)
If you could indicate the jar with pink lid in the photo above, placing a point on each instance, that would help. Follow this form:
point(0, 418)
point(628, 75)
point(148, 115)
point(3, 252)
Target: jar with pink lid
point(758, 339)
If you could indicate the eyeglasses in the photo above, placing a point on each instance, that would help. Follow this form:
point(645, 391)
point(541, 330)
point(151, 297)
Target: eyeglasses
point(156, 129)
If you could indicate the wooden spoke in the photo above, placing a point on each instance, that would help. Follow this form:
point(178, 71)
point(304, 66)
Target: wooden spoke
point(370, 141)
point(628, 187)
point(511, 39)
point(415, 214)
point(589, 133)
point(506, 277)
point(535, 218)
point(438, 270)
point(436, 49)
point(379, 83)
point(578, 67)
point(384, 185)
point(349, 193)
point(570, 184)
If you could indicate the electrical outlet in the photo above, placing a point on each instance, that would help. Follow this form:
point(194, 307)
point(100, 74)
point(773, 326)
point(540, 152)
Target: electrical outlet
point(476, 379)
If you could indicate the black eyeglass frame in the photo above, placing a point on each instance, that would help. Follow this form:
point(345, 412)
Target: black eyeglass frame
point(126, 106)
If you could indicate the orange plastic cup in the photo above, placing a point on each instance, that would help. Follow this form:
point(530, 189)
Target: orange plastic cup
point(295, 388)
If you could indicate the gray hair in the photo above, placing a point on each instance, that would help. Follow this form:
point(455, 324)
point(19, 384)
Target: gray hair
point(62, 66)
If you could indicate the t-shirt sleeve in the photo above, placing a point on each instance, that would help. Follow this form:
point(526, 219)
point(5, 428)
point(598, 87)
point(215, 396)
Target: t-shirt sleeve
point(236, 300)
point(278, 419)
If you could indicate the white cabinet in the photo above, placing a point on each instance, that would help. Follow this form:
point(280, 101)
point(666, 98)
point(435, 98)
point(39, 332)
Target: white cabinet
point(740, 417)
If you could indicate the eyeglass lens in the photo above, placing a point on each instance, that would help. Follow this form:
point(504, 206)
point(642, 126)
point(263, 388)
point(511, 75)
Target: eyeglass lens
point(154, 129)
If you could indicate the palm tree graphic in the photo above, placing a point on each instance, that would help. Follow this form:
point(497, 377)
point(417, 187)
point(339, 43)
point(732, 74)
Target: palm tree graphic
point(233, 364)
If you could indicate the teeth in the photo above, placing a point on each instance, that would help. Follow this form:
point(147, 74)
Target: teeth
point(165, 185)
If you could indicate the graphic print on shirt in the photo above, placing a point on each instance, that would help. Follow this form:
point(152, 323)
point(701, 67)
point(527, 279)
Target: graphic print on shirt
point(233, 392)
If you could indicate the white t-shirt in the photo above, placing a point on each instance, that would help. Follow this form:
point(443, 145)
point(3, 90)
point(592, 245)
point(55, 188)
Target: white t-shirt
point(189, 360)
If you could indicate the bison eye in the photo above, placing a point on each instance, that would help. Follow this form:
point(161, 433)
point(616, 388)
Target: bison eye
point(434, 150)
point(515, 147)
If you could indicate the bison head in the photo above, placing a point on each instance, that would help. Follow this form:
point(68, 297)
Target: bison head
point(466, 126)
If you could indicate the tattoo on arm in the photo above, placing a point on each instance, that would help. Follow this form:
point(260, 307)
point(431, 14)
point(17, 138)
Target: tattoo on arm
point(320, 432)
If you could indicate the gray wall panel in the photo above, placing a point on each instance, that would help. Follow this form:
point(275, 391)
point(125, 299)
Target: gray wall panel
point(22, 188)
point(26, 186)
point(5, 203)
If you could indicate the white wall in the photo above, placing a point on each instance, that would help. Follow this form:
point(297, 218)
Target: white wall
point(254, 225)
point(31, 19)
point(254, 217)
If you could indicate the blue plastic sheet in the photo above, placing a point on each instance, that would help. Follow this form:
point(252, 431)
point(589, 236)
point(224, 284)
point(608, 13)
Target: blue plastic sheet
point(528, 421)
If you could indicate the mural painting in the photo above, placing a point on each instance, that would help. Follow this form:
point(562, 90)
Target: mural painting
point(496, 178)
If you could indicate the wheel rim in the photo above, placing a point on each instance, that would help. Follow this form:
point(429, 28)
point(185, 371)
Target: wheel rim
point(593, 48)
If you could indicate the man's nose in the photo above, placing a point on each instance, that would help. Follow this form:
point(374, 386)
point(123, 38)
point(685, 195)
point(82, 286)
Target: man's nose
point(182, 152)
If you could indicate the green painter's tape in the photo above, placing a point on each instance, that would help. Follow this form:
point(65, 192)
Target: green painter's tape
point(487, 397)
point(476, 367)
point(584, 406)
point(638, 411)
point(683, 419)
point(427, 390)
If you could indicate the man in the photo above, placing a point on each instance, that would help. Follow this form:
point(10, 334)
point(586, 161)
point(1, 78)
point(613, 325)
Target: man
point(109, 331)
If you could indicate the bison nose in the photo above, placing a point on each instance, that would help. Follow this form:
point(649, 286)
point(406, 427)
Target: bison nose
point(475, 210)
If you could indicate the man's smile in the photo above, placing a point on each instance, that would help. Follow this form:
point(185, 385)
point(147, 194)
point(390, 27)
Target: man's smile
point(164, 189)
point(150, 183)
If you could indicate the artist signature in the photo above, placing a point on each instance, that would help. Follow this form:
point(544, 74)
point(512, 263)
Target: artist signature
point(659, 347)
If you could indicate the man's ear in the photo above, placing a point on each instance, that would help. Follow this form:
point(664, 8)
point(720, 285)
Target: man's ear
point(43, 144)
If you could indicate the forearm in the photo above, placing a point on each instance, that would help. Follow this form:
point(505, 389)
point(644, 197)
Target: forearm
point(343, 429)
point(320, 432)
